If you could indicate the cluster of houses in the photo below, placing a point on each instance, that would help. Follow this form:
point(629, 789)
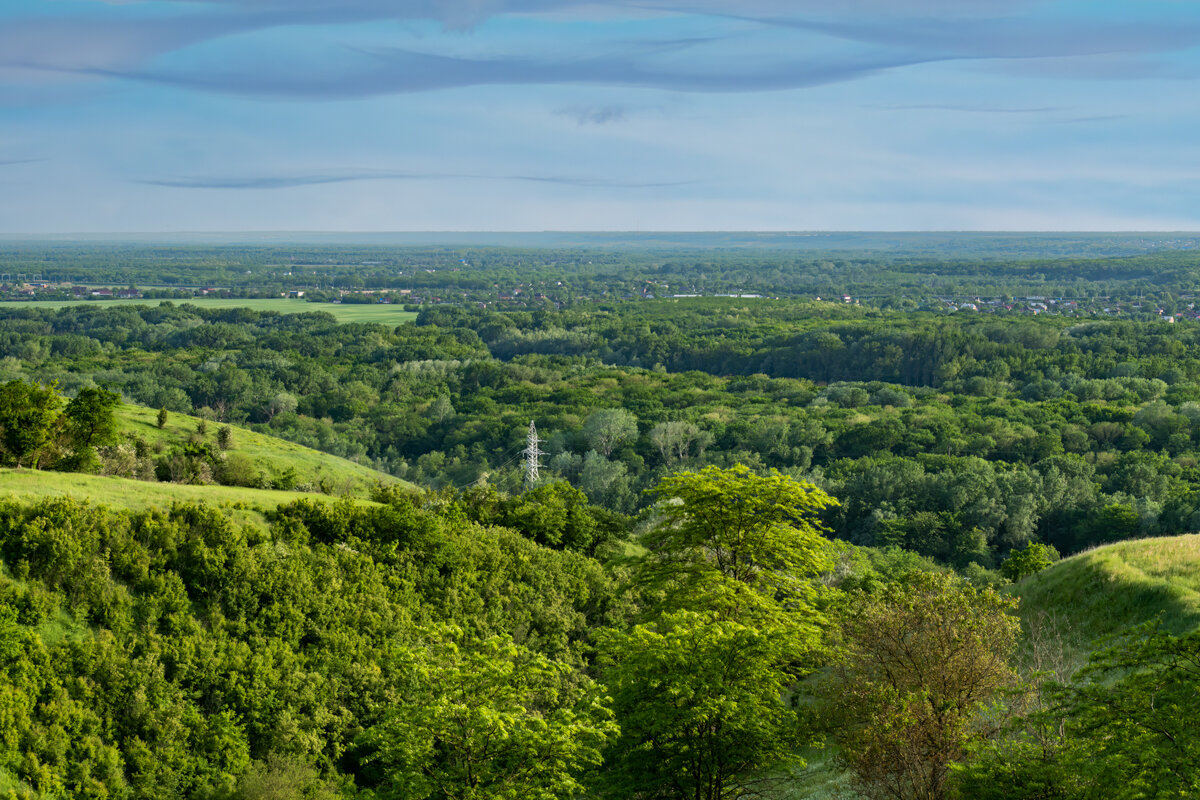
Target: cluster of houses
point(62, 291)
point(1064, 306)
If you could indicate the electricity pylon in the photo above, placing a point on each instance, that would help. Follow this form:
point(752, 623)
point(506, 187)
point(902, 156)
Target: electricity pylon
point(531, 454)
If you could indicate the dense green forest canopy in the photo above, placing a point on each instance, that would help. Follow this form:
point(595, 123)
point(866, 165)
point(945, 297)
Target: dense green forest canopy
point(958, 436)
point(764, 524)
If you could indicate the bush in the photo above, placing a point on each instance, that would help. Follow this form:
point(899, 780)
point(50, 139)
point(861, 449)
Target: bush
point(1023, 563)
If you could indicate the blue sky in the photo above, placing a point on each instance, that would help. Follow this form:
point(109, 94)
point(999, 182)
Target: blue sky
point(379, 115)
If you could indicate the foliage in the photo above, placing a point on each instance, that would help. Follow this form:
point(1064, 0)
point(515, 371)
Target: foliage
point(90, 422)
point(29, 413)
point(553, 514)
point(178, 654)
point(964, 436)
point(610, 428)
point(924, 656)
point(703, 709)
point(701, 689)
point(740, 543)
point(488, 719)
point(260, 652)
point(1033, 559)
point(1125, 728)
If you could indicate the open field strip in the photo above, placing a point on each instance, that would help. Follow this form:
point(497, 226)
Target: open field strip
point(386, 314)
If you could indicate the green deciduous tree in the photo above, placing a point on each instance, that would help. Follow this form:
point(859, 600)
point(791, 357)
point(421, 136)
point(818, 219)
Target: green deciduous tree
point(1128, 727)
point(703, 709)
point(732, 541)
point(674, 440)
point(489, 719)
point(923, 657)
point(28, 413)
point(609, 428)
point(91, 422)
point(700, 690)
point(1034, 558)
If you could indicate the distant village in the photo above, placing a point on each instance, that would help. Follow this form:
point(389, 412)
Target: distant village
point(531, 295)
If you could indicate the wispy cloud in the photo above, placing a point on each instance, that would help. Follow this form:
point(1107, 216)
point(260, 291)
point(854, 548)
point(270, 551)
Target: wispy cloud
point(973, 109)
point(347, 176)
point(1007, 37)
point(12, 162)
point(398, 71)
point(595, 115)
point(65, 44)
point(466, 13)
point(896, 34)
point(1095, 118)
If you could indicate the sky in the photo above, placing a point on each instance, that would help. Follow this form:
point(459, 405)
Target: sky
point(629, 115)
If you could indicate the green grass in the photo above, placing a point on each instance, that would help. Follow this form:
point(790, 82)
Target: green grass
point(242, 505)
point(1108, 590)
point(344, 312)
point(271, 456)
point(820, 779)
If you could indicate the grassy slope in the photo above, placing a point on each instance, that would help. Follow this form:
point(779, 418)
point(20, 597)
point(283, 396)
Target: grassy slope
point(1087, 597)
point(271, 456)
point(1109, 589)
point(243, 505)
point(389, 314)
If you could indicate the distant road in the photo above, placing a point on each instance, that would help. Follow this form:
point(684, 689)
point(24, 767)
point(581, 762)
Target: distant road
point(345, 312)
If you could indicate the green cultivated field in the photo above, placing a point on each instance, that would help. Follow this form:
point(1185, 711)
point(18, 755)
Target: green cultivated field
point(375, 312)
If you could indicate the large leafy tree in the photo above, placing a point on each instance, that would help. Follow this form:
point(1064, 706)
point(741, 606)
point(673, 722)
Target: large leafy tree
point(737, 543)
point(91, 422)
point(610, 428)
point(489, 720)
point(732, 621)
point(701, 712)
point(28, 414)
point(923, 658)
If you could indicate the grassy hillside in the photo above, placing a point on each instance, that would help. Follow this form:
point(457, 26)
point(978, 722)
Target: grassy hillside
point(271, 456)
point(242, 505)
point(1107, 590)
point(386, 314)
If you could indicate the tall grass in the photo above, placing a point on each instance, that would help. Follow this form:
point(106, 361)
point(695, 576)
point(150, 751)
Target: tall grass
point(1108, 590)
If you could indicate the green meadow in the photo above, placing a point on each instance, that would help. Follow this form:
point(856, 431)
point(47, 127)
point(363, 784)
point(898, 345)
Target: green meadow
point(385, 314)
point(1108, 590)
point(272, 457)
point(241, 504)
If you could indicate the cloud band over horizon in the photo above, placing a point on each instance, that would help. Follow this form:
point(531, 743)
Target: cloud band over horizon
point(756, 114)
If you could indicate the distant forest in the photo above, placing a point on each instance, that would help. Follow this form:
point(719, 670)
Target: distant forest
point(897, 270)
point(957, 436)
point(794, 530)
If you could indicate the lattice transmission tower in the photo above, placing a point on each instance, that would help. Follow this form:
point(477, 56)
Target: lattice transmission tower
point(531, 454)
